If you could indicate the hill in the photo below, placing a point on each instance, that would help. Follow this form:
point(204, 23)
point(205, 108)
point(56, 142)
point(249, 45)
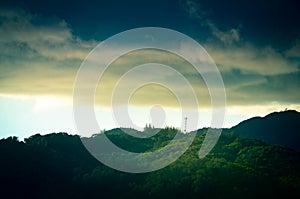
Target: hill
point(58, 166)
point(282, 128)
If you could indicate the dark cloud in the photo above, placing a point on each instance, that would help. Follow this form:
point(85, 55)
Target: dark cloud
point(255, 44)
point(250, 89)
point(102, 19)
point(274, 23)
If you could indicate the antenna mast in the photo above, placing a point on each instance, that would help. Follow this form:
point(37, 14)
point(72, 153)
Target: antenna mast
point(185, 124)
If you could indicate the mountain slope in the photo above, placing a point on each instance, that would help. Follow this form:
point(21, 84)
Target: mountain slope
point(281, 128)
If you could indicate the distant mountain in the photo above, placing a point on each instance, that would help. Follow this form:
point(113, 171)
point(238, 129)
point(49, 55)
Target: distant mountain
point(281, 128)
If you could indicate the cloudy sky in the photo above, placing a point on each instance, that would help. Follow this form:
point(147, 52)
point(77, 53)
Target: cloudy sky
point(255, 45)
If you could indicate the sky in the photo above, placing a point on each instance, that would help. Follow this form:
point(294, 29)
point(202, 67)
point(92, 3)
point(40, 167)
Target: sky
point(255, 45)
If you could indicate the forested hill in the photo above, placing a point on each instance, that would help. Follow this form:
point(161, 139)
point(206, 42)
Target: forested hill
point(282, 128)
point(58, 166)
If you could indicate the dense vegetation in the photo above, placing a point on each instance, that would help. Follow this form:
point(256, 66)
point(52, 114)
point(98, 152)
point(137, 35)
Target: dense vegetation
point(58, 166)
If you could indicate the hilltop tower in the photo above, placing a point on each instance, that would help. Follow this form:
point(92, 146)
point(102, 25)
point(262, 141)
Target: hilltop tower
point(185, 124)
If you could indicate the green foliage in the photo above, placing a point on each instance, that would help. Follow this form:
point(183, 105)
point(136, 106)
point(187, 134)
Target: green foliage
point(58, 166)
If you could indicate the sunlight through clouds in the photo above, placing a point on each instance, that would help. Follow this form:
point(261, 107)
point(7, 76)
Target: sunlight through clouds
point(46, 103)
